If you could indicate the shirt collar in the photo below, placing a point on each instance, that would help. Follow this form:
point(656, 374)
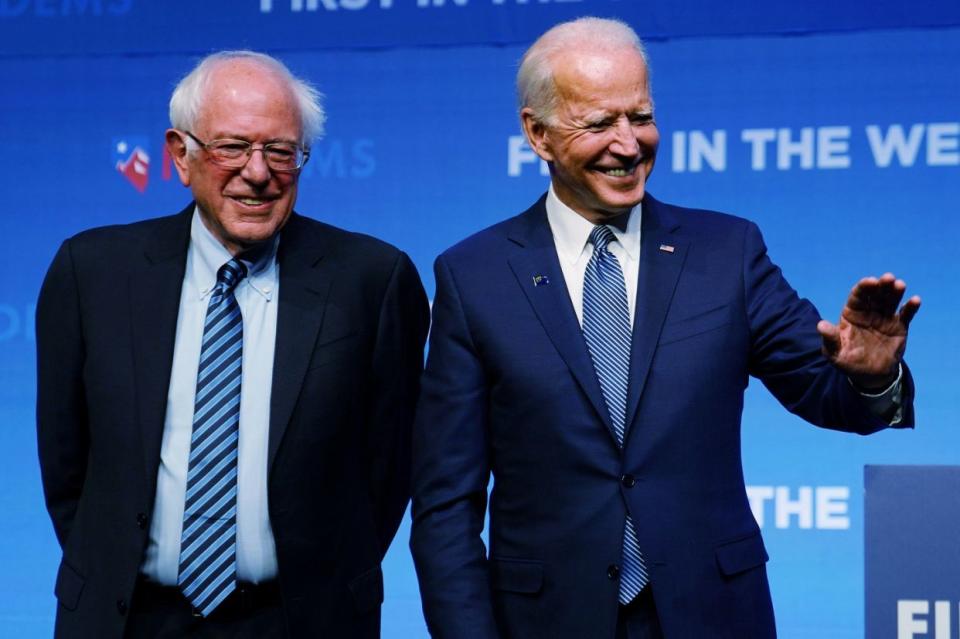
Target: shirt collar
point(210, 255)
point(571, 231)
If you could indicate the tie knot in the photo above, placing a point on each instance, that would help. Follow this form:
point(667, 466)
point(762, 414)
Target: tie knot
point(601, 236)
point(230, 274)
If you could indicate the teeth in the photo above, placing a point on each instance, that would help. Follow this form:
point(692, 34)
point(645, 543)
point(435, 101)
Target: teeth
point(251, 201)
point(616, 172)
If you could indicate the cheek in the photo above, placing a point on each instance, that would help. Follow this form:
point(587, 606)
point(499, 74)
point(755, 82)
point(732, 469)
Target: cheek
point(575, 157)
point(209, 185)
point(591, 148)
point(289, 197)
point(652, 137)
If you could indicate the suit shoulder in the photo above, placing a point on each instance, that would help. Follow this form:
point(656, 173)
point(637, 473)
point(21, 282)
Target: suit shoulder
point(348, 244)
point(123, 232)
point(107, 244)
point(706, 221)
point(484, 243)
point(356, 241)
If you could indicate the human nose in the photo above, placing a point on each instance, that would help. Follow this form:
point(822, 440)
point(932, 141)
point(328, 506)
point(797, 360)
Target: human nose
point(256, 169)
point(625, 139)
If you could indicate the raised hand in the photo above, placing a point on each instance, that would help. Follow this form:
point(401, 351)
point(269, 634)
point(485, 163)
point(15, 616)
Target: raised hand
point(868, 342)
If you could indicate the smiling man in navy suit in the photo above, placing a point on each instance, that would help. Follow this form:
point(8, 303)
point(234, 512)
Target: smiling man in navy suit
point(591, 354)
point(225, 395)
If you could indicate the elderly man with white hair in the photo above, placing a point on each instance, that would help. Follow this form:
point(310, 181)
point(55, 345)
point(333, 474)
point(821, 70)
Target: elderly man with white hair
point(591, 355)
point(225, 395)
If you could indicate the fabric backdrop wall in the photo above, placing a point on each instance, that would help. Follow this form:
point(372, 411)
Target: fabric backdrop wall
point(835, 127)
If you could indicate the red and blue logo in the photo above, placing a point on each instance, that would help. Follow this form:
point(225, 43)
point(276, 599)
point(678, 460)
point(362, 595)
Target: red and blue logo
point(132, 159)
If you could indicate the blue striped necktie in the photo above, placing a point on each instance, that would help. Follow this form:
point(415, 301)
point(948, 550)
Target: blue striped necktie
point(208, 547)
point(606, 329)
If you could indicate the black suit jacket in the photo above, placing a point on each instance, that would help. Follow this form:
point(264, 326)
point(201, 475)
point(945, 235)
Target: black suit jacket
point(351, 325)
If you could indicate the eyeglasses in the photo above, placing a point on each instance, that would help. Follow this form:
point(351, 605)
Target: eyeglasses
point(284, 157)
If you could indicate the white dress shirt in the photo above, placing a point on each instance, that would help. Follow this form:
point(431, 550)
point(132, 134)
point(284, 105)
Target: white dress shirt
point(571, 234)
point(257, 296)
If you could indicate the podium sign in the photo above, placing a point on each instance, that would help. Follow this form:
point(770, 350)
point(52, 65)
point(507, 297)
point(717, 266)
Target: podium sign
point(912, 521)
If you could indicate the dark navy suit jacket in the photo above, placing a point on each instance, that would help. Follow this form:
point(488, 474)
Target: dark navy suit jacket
point(351, 323)
point(510, 390)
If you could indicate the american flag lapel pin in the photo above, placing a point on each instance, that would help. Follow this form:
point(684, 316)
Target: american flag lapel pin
point(667, 248)
point(540, 280)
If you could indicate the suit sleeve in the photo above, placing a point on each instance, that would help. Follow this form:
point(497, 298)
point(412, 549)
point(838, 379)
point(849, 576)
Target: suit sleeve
point(786, 355)
point(396, 369)
point(62, 424)
point(450, 476)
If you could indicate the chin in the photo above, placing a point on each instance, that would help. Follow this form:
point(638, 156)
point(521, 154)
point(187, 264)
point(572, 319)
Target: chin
point(245, 240)
point(616, 206)
point(256, 238)
point(258, 229)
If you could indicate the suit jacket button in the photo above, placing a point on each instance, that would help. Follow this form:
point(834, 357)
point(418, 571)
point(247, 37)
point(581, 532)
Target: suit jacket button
point(628, 480)
point(142, 520)
point(121, 606)
point(613, 571)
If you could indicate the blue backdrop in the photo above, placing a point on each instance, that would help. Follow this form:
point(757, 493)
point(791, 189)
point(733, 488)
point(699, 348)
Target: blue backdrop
point(836, 127)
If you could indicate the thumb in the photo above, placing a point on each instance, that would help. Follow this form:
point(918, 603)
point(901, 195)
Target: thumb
point(831, 337)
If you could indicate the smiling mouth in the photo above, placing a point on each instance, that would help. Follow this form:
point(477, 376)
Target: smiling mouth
point(253, 201)
point(617, 171)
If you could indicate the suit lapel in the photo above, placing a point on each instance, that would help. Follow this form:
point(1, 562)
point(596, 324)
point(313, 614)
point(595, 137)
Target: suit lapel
point(662, 255)
point(155, 285)
point(305, 278)
point(551, 301)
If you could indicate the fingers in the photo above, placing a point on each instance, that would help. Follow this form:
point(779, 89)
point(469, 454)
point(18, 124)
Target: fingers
point(879, 295)
point(831, 337)
point(909, 309)
point(890, 293)
point(861, 295)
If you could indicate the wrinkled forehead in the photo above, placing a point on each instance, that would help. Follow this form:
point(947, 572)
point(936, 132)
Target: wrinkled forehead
point(247, 89)
point(235, 78)
point(590, 62)
point(596, 74)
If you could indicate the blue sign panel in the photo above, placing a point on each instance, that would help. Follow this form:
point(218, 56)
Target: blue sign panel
point(913, 556)
point(84, 27)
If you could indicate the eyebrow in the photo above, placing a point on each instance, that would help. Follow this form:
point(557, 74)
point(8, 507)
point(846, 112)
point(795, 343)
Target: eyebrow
point(244, 138)
point(595, 117)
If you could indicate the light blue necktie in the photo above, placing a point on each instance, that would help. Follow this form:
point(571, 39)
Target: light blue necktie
point(606, 329)
point(208, 547)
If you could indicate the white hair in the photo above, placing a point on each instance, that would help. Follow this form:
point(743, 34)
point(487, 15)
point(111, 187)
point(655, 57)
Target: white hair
point(536, 87)
point(187, 99)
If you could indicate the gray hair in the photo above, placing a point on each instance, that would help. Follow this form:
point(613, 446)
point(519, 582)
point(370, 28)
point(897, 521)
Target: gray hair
point(188, 96)
point(536, 88)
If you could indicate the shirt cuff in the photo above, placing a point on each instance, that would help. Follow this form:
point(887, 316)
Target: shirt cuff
point(888, 403)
